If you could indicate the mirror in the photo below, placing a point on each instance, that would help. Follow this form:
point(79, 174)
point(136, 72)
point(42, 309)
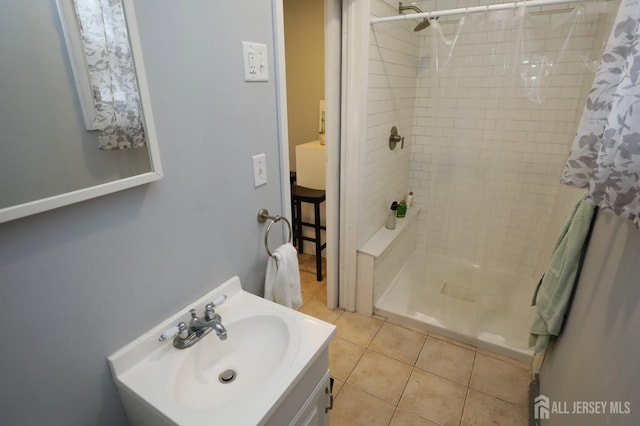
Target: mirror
point(48, 157)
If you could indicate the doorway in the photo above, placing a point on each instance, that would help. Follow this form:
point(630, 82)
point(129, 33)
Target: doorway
point(311, 42)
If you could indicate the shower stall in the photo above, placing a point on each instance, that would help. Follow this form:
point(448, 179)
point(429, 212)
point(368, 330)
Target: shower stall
point(488, 103)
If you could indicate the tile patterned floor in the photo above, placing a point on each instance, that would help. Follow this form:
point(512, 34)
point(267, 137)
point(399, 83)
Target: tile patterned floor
point(388, 374)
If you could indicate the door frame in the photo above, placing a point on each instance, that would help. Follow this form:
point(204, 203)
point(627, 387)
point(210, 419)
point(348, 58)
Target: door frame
point(354, 84)
point(346, 60)
point(332, 82)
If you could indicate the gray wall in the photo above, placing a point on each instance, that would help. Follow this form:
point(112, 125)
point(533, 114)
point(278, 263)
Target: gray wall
point(596, 358)
point(79, 282)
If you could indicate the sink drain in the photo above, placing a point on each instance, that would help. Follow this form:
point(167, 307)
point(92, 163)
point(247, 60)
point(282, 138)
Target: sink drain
point(227, 376)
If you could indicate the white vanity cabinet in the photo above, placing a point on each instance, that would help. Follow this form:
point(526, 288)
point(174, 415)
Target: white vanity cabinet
point(308, 402)
point(315, 411)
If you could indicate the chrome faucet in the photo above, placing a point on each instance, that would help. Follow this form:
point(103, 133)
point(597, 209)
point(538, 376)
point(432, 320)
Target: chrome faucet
point(187, 336)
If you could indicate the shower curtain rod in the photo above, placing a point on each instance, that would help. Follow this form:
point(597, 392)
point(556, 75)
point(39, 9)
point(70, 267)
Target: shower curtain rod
point(473, 9)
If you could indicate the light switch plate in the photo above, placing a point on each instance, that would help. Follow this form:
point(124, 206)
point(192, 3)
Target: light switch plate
point(259, 170)
point(254, 57)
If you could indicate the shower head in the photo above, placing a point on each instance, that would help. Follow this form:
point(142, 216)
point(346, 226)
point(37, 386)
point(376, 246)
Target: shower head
point(423, 24)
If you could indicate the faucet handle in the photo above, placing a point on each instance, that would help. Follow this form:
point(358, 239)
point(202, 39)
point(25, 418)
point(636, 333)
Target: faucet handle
point(180, 329)
point(183, 331)
point(209, 313)
point(218, 301)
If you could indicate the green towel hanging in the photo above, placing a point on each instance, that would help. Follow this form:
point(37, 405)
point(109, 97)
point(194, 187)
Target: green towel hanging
point(553, 293)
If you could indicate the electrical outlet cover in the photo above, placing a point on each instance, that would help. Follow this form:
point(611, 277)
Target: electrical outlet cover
point(254, 57)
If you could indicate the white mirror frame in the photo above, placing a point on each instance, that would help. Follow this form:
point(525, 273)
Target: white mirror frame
point(37, 206)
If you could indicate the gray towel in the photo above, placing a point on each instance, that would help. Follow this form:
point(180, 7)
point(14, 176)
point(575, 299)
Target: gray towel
point(554, 290)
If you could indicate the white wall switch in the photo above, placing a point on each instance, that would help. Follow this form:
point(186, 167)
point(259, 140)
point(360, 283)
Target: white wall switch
point(259, 170)
point(254, 57)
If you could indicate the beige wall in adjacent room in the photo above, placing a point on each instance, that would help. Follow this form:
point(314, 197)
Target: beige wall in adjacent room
point(304, 53)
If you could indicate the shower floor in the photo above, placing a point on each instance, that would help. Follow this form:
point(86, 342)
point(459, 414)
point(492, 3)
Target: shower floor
point(485, 308)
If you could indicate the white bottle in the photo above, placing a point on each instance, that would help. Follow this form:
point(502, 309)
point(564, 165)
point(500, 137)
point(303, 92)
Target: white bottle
point(391, 218)
point(410, 199)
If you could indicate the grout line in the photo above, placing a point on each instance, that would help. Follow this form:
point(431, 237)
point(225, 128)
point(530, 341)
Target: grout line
point(464, 405)
point(376, 334)
point(405, 362)
point(404, 388)
point(357, 362)
point(466, 396)
point(395, 409)
point(413, 367)
point(369, 394)
point(453, 342)
point(346, 380)
point(415, 362)
point(441, 376)
point(504, 358)
point(473, 365)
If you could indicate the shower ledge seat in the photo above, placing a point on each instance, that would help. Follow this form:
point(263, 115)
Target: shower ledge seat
point(380, 259)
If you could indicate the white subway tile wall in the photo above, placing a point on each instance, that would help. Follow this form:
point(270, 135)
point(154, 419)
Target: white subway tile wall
point(482, 158)
point(392, 94)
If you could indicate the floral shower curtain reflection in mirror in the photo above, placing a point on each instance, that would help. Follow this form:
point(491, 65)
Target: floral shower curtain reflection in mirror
point(111, 74)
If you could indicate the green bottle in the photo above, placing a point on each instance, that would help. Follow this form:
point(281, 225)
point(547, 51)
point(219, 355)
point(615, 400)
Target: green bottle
point(402, 209)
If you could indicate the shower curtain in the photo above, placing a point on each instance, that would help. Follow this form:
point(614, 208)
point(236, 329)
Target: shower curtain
point(499, 125)
point(605, 157)
point(504, 92)
point(491, 102)
point(114, 85)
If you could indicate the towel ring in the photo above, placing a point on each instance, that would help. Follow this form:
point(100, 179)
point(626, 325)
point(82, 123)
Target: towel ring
point(263, 215)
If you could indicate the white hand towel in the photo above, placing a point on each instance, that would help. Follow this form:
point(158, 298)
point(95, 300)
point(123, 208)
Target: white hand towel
point(282, 282)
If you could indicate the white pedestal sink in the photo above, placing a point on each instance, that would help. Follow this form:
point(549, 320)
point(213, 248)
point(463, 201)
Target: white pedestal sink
point(270, 349)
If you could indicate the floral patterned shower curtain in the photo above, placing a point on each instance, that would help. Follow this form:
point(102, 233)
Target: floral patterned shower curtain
point(605, 156)
point(111, 73)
